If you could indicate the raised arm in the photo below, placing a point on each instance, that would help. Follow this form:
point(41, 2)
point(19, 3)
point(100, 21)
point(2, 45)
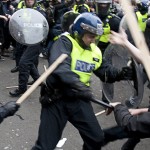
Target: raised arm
point(121, 39)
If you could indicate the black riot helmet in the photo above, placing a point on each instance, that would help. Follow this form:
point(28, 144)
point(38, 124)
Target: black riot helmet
point(143, 6)
point(68, 19)
point(102, 7)
point(86, 23)
point(79, 2)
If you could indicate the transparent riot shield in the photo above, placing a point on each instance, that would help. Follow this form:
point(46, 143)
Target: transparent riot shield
point(28, 26)
point(128, 92)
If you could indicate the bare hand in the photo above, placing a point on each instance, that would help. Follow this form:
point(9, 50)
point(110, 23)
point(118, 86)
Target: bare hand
point(118, 38)
point(138, 111)
point(109, 110)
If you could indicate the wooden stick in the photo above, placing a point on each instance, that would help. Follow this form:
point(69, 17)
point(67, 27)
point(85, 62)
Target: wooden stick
point(15, 86)
point(99, 113)
point(137, 35)
point(59, 60)
point(45, 68)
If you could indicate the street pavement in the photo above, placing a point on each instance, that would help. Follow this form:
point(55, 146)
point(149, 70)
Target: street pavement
point(21, 133)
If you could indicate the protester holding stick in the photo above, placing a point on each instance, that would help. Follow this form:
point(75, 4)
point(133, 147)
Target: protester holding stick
point(132, 123)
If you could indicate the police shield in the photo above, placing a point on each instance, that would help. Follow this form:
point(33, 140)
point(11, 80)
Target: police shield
point(127, 92)
point(28, 26)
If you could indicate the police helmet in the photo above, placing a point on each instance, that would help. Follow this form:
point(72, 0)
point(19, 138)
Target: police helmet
point(68, 19)
point(102, 7)
point(87, 22)
point(79, 2)
point(143, 6)
point(103, 1)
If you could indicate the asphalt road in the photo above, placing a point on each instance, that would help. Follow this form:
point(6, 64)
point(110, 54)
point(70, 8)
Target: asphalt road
point(18, 134)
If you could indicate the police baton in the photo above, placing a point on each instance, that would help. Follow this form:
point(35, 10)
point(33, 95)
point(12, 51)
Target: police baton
point(106, 105)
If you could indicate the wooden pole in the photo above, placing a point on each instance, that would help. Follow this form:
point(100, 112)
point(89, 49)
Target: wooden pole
point(137, 35)
point(99, 113)
point(14, 86)
point(59, 60)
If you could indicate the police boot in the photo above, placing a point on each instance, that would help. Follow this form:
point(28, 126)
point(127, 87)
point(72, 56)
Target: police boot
point(16, 69)
point(16, 93)
point(130, 144)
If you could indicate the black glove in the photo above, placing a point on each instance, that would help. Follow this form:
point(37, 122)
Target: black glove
point(45, 93)
point(9, 109)
point(127, 73)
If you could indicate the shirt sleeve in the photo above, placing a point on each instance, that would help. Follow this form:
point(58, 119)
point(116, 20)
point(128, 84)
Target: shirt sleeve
point(138, 124)
point(107, 72)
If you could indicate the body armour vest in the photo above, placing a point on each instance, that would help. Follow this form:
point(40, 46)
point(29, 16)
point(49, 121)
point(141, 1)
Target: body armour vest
point(36, 6)
point(84, 62)
point(76, 7)
point(142, 20)
point(106, 27)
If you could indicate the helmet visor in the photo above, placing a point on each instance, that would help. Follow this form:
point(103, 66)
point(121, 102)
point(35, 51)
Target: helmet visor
point(102, 9)
point(96, 31)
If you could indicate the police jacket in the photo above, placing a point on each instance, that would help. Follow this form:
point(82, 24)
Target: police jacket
point(110, 22)
point(137, 125)
point(38, 7)
point(64, 78)
point(142, 18)
point(81, 8)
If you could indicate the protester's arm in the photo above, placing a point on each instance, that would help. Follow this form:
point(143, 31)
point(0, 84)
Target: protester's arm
point(121, 39)
point(139, 123)
point(138, 111)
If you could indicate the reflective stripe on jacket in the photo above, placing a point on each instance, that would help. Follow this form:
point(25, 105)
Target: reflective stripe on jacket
point(84, 62)
point(106, 31)
point(142, 20)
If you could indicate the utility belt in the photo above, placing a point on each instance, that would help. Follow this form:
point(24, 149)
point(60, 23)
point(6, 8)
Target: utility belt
point(50, 95)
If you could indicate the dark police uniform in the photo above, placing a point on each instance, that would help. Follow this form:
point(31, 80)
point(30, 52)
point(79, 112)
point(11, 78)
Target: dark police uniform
point(28, 60)
point(110, 22)
point(71, 81)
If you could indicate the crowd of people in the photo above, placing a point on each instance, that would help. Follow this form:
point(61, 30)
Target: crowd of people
point(82, 30)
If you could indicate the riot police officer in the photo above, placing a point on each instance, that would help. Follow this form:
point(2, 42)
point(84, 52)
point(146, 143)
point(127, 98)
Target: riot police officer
point(29, 55)
point(110, 21)
point(142, 14)
point(80, 6)
point(67, 94)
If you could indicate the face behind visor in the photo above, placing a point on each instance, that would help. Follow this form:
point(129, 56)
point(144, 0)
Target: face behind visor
point(30, 3)
point(79, 2)
point(102, 7)
point(87, 23)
